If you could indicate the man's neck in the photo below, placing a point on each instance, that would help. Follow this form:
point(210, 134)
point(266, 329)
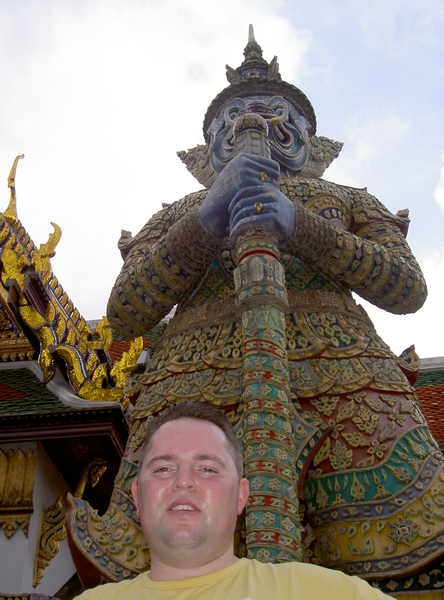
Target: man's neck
point(163, 571)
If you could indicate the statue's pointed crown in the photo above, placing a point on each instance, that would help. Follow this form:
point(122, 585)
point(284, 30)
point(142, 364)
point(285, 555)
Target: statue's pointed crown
point(256, 76)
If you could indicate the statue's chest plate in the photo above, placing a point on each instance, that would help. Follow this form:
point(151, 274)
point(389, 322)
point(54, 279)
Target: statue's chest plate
point(332, 208)
point(322, 198)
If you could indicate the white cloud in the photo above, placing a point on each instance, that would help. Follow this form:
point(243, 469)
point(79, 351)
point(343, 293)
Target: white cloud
point(370, 141)
point(399, 27)
point(438, 194)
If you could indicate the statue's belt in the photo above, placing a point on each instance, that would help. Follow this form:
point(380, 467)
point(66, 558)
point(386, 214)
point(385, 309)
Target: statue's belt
point(215, 312)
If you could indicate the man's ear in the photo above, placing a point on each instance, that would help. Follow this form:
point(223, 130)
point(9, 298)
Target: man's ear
point(134, 491)
point(244, 492)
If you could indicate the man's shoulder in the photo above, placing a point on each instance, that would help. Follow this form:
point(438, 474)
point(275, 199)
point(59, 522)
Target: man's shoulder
point(313, 580)
point(295, 568)
point(111, 590)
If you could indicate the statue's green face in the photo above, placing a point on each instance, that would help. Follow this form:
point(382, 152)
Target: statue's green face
point(287, 132)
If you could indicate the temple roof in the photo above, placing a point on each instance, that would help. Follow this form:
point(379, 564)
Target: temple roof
point(21, 391)
point(430, 392)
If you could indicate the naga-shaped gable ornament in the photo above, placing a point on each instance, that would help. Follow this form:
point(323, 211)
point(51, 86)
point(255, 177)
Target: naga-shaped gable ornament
point(54, 326)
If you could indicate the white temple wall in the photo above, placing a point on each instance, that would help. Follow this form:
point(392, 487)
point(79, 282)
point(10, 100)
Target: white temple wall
point(18, 552)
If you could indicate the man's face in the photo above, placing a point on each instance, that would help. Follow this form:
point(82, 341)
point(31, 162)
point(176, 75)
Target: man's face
point(188, 493)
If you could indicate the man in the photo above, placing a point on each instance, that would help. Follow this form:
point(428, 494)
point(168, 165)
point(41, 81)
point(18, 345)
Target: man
point(189, 491)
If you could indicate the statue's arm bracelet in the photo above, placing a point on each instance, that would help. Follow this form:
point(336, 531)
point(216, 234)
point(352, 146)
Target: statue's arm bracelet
point(153, 281)
point(377, 264)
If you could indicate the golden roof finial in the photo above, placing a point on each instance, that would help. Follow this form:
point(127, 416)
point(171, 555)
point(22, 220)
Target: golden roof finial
point(11, 212)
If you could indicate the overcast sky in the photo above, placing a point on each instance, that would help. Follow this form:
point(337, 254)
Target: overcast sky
point(100, 94)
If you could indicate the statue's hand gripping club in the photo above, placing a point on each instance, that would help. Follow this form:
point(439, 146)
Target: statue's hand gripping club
point(259, 204)
point(246, 194)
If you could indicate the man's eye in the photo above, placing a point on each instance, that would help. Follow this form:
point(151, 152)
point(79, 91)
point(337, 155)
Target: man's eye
point(208, 470)
point(162, 470)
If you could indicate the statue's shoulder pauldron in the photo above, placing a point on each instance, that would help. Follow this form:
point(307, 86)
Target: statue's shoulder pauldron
point(160, 222)
point(171, 213)
point(363, 208)
point(303, 190)
point(322, 198)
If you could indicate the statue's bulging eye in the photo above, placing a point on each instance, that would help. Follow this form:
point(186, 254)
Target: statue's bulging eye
point(230, 114)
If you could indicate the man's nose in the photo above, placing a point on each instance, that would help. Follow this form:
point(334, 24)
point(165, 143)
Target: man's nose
point(185, 478)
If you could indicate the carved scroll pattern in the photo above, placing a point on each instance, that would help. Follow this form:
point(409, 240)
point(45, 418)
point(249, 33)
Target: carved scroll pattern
point(52, 531)
point(52, 528)
point(17, 476)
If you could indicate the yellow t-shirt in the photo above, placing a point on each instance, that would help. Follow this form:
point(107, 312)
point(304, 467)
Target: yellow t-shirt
point(244, 580)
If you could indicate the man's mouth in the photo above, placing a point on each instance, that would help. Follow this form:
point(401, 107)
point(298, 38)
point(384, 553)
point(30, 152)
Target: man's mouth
point(183, 507)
